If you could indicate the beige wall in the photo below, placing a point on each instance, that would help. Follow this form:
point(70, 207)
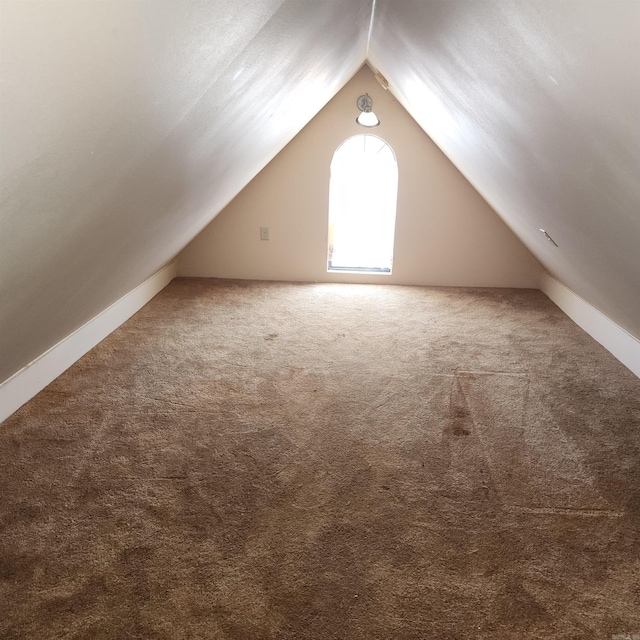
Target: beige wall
point(446, 234)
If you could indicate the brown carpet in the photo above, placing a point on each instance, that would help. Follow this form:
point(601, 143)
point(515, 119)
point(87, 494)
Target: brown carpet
point(270, 460)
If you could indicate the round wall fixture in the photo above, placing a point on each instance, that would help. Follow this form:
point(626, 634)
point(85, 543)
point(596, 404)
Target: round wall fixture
point(367, 118)
point(365, 102)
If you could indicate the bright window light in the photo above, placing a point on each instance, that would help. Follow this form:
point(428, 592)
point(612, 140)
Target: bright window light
point(362, 206)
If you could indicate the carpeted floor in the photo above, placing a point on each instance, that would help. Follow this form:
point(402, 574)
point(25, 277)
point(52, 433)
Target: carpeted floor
point(267, 460)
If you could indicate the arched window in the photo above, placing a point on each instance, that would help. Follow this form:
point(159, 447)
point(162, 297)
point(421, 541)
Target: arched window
point(362, 205)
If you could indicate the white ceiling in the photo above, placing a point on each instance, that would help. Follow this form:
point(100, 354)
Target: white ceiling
point(538, 104)
point(127, 126)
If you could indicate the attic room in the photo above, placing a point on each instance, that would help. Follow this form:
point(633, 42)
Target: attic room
point(217, 422)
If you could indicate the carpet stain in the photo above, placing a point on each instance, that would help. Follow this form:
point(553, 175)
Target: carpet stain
point(515, 604)
point(16, 568)
point(461, 419)
point(516, 432)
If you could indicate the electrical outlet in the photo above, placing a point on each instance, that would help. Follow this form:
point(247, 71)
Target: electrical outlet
point(264, 233)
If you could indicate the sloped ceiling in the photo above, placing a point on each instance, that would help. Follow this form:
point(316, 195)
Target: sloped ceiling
point(538, 104)
point(127, 126)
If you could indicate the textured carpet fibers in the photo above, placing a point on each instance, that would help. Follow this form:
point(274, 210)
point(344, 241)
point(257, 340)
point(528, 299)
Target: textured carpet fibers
point(271, 460)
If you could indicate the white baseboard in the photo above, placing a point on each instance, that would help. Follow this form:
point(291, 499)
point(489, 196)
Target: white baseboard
point(31, 379)
point(613, 338)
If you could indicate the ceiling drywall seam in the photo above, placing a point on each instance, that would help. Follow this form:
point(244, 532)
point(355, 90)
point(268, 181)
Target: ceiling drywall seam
point(373, 15)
